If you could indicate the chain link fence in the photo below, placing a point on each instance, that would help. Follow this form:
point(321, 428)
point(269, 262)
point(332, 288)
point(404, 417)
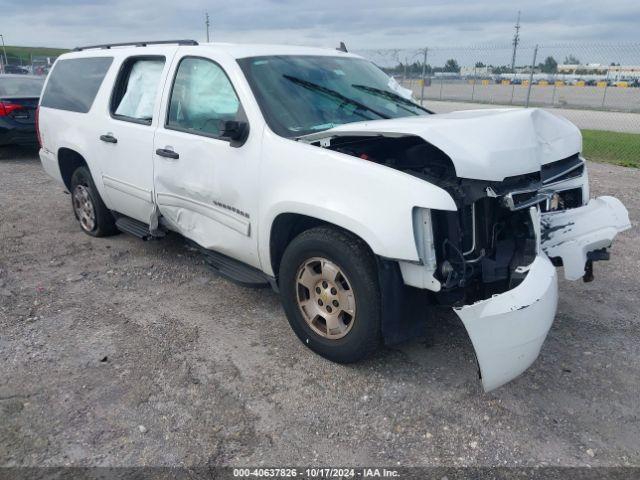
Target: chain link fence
point(29, 65)
point(596, 86)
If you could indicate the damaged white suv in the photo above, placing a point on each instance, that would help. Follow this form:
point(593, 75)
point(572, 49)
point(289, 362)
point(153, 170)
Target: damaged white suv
point(311, 171)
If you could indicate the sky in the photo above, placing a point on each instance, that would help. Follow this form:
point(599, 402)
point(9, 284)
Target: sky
point(370, 24)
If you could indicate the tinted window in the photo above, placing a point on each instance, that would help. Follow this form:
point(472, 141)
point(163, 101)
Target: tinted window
point(305, 94)
point(74, 83)
point(20, 86)
point(202, 97)
point(136, 89)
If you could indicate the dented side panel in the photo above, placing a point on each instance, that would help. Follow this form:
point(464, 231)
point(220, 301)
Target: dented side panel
point(572, 234)
point(508, 330)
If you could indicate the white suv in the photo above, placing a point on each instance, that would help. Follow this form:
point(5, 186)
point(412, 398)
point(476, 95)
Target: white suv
point(312, 171)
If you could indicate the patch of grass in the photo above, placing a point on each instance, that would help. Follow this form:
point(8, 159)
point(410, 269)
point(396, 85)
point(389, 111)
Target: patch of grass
point(15, 53)
point(612, 147)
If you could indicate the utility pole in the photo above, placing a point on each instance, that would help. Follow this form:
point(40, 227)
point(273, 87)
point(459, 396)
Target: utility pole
point(4, 50)
point(424, 71)
point(207, 23)
point(533, 66)
point(516, 41)
point(404, 79)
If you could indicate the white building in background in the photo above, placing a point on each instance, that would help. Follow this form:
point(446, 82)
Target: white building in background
point(476, 71)
point(623, 72)
point(589, 68)
point(612, 72)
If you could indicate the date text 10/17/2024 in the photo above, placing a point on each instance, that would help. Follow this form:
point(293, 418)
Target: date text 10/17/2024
point(314, 473)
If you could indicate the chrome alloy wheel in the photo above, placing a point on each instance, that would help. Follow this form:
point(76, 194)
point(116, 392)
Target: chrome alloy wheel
point(325, 298)
point(83, 208)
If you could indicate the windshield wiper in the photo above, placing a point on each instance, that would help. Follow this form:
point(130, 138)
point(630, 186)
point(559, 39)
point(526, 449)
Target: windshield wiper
point(392, 96)
point(333, 94)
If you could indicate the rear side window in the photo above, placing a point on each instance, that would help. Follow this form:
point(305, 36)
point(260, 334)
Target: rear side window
point(74, 83)
point(136, 89)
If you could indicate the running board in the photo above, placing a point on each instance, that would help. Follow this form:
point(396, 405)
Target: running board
point(234, 270)
point(137, 228)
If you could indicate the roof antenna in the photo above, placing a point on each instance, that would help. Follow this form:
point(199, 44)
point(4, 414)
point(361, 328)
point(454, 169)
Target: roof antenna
point(342, 47)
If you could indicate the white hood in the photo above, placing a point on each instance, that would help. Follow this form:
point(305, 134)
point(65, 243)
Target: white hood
point(483, 144)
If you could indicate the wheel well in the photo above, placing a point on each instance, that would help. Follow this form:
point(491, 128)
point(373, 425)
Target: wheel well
point(68, 161)
point(288, 226)
point(285, 228)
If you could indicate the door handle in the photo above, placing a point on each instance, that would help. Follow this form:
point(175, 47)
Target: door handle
point(163, 152)
point(108, 138)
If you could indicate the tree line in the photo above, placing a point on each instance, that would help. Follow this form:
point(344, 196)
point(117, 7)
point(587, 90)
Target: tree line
point(550, 65)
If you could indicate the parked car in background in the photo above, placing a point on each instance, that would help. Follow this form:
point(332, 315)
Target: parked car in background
point(15, 69)
point(310, 170)
point(19, 96)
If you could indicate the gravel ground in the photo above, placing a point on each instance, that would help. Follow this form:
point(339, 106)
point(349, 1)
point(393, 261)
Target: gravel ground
point(120, 352)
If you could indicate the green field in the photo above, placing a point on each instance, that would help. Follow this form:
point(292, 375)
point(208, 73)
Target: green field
point(15, 54)
point(612, 147)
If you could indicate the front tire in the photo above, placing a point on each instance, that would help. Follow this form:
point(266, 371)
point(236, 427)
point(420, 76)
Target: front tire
point(330, 293)
point(93, 215)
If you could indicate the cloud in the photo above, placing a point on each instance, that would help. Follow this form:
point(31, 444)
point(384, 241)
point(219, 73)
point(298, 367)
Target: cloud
point(378, 24)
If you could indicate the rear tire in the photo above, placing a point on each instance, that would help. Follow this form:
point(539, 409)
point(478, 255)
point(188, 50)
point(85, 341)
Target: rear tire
point(330, 293)
point(93, 215)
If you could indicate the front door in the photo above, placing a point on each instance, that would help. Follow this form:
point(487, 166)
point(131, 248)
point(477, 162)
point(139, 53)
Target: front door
point(206, 186)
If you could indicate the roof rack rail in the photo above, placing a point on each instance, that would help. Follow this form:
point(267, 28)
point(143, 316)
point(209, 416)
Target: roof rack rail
point(136, 44)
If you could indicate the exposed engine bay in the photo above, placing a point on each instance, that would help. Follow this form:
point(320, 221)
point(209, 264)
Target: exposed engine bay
point(484, 247)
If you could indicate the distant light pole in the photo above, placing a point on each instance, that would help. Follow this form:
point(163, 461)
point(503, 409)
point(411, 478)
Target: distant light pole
point(424, 71)
point(4, 50)
point(516, 41)
point(207, 23)
point(533, 66)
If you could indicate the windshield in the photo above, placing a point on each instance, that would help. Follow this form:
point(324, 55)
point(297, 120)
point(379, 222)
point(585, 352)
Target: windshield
point(20, 86)
point(299, 95)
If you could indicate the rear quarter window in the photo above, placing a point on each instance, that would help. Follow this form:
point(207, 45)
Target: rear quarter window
point(74, 83)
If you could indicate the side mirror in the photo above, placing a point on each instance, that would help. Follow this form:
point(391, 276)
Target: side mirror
point(237, 132)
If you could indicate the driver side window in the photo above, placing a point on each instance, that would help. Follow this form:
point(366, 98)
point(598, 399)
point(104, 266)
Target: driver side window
point(202, 98)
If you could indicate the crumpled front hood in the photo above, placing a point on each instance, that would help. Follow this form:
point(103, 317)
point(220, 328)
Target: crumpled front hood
point(482, 144)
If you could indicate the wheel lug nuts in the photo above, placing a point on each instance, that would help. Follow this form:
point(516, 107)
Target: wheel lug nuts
point(325, 284)
point(333, 291)
point(318, 290)
point(320, 302)
point(335, 303)
point(328, 309)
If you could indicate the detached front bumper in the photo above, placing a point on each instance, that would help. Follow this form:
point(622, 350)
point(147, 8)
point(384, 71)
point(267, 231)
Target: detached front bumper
point(572, 234)
point(508, 330)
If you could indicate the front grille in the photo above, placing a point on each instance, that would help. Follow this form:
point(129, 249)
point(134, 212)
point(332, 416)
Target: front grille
point(565, 169)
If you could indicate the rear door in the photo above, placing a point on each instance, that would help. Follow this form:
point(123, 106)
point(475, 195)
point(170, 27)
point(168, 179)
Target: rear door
point(205, 186)
point(124, 140)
